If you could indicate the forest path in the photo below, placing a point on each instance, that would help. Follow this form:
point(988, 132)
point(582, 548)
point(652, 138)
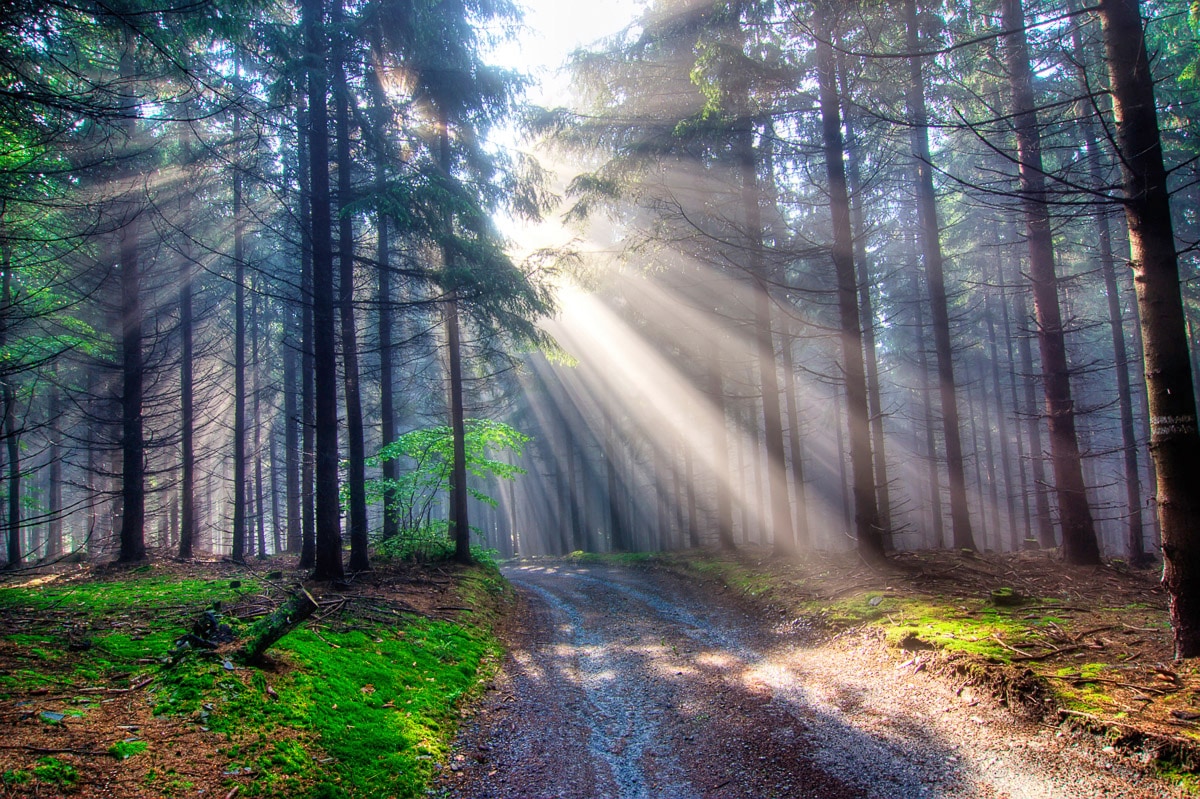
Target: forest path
point(634, 682)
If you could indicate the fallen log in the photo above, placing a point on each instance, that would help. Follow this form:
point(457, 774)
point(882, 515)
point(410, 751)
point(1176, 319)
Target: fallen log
point(266, 631)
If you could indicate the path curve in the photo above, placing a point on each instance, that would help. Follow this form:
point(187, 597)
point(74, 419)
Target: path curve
point(634, 683)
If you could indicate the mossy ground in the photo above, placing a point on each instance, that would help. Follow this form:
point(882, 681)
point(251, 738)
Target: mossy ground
point(360, 703)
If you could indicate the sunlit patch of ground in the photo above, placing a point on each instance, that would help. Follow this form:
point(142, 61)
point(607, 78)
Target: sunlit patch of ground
point(1083, 645)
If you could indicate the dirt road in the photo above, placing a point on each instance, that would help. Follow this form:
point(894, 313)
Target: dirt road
point(636, 683)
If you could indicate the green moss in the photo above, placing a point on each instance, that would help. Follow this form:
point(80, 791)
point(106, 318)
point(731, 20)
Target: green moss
point(149, 612)
point(619, 558)
point(17, 776)
point(132, 594)
point(168, 783)
point(1184, 779)
point(22, 680)
point(52, 771)
point(385, 726)
point(123, 750)
point(362, 709)
point(380, 705)
point(30, 640)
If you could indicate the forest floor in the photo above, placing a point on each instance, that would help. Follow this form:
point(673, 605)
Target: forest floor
point(943, 675)
point(681, 675)
point(360, 702)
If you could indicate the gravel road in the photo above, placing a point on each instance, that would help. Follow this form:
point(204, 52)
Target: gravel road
point(637, 683)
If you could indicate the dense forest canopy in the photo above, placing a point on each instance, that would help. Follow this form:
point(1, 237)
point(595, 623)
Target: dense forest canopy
point(833, 275)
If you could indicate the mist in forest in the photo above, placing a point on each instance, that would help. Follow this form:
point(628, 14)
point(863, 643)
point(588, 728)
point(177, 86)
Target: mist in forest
point(323, 279)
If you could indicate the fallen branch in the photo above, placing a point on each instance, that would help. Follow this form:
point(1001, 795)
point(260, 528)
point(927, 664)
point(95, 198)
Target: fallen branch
point(330, 608)
point(1093, 631)
point(266, 631)
point(137, 686)
point(1143, 629)
point(1020, 652)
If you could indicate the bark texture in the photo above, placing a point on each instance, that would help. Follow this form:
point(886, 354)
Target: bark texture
point(1078, 531)
point(133, 368)
point(356, 478)
point(866, 513)
point(328, 550)
point(1175, 442)
point(931, 249)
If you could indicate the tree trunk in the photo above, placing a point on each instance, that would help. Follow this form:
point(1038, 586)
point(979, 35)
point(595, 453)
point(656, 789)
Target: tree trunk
point(866, 514)
point(840, 426)
point(356, 477)
point(722, 476)
point(1016, 408)
point(777, 490)
point(92, 480)
point(291, 436)
point(187, 413)
point(1135, 538)
point(795, 449)
point(989, 457)
point(678, 501)
point(1041, 487)
point(1014, 539)
point(1175, 442)
point(689, 482)
point(972, 415)
point(460, 528)
point(931, 248)
point(934, 481)
point(259, 507)
point(387, 407)
point(866, 311)
point(743, 492)
point(328, 561)
point(277, 541)
point(459, 524)
point(238, 553)
point(662, 498)
point(616, 522)
point(577, 538)
point(12, 523)
point(1137, 362)
point(133, 450)
point(308, 421)
point(1078, 532)
point(54, 507)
